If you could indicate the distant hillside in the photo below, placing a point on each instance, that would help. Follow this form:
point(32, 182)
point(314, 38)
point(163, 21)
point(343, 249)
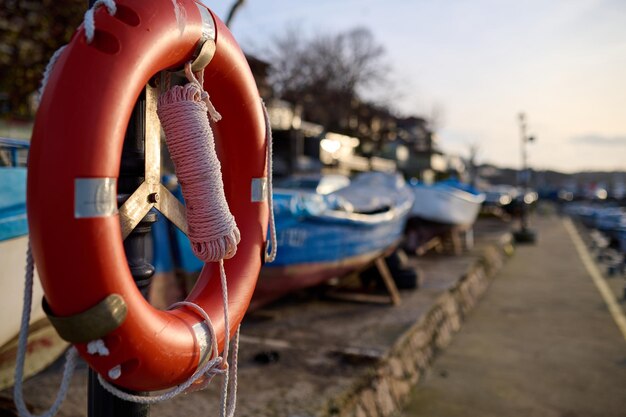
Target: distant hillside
point(553, 179)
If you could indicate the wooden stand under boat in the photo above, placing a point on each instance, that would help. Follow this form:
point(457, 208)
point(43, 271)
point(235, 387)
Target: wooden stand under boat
point(423, 236)
point(358, 293)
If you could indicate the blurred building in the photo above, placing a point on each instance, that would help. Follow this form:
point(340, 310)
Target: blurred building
point(260, 71)
point(426, 161)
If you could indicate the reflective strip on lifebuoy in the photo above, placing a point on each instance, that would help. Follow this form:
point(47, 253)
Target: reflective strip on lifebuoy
point(75, 160)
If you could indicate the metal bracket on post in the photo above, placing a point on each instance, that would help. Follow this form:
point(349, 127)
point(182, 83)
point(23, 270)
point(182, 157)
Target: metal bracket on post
point(151, 193)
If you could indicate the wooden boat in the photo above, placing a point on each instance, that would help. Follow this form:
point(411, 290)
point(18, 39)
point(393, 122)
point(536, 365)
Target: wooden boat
point(327, 230)
point(44, 346)
point(447, 202)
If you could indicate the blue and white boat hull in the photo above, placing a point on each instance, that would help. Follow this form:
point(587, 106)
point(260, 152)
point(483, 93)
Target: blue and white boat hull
point(447, 204)
point(325, 236)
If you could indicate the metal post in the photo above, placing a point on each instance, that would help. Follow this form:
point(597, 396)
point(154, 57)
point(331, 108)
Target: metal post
point(100, 402)
point(525, 234)
point(524, 171)
point(132, 170)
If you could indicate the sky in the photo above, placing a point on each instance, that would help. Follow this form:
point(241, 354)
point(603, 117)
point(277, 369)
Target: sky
point(476, 64)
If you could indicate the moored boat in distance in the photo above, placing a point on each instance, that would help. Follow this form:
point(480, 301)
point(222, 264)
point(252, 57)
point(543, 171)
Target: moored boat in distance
point(447, 202)
point(330, 226)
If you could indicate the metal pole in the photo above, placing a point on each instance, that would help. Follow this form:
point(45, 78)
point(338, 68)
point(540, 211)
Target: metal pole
point(132, 170)
point(524, 171)
point(100, 402)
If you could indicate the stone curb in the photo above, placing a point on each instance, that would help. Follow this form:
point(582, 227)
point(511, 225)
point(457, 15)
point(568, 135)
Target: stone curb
point(385, 390)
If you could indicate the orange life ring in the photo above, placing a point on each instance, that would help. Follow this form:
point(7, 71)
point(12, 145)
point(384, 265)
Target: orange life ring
point(78, 135)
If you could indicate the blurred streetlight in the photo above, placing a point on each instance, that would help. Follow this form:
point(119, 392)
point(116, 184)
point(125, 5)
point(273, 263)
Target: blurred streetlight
point(525, 234)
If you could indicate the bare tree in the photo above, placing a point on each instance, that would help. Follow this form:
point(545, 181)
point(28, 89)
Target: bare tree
point(233, 10)
point(326, 73)
point(436, 117)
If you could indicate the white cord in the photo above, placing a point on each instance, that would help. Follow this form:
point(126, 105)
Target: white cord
point(48, 70)
point(211, 368)
point(216, 366)
point(70, 356)
point(90, 30)
point(89, 20)
point(271, 255)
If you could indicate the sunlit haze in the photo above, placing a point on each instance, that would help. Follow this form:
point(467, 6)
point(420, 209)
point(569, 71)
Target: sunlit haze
point(475, 64)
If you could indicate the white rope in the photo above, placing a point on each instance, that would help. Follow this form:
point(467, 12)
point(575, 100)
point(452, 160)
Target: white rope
point(216, 366)
point(89, 20)
point(90, 30)
point(97, 347)
point(46, 74)
point(204, 95)
point(271, 255)
point(70, 356)
point(209, 369)
point(182, 111)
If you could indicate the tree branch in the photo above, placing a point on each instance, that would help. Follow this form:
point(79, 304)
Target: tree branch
point(233, 10)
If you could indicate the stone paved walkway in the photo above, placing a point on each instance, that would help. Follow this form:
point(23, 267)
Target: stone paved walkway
point(541, 343)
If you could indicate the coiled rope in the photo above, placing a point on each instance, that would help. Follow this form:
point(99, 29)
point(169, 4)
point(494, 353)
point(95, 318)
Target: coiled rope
point(182, 111)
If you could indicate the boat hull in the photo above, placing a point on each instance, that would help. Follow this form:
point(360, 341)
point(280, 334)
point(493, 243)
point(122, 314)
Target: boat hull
point(43, 343)
point(13, 261)
point(446, 205)
point(317, 242)
point(13, 245)
point(276, 282)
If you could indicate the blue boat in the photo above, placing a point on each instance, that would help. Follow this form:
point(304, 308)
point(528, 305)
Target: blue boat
point(608, 219)
point(330, 226)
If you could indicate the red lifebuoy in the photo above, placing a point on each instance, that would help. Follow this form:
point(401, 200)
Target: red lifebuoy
point(79, 133)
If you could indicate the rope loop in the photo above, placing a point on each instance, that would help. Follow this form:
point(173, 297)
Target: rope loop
point(217, 365)
point(90, 30)
point(204, 96)
point(70, 356)
point(270, 255)
point(49, 66)
point(89, 20)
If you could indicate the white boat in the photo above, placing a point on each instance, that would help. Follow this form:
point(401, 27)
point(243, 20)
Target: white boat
point(44, 346)
point(447, 202)
point(13, 245)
